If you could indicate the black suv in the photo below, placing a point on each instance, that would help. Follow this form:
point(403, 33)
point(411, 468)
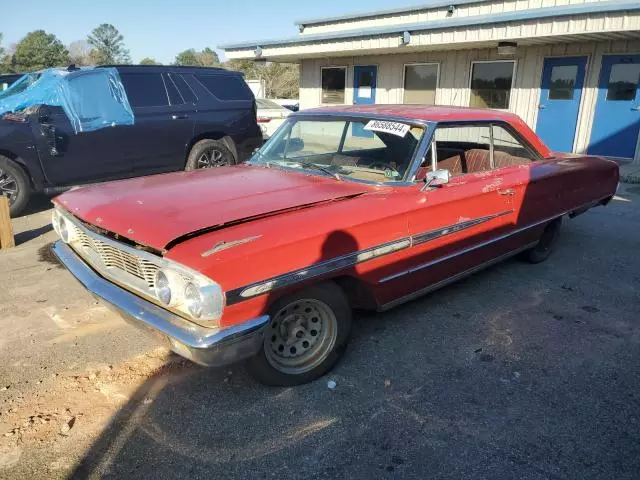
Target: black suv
point(184, 118)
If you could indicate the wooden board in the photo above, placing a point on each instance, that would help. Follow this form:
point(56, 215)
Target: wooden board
point(6, 228)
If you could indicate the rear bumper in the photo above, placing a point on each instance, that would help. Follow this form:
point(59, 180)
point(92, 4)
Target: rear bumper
point(205, 346)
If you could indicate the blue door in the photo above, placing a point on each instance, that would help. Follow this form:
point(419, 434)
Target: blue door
point(364, 84)
point(617, 119)
point(560, 94)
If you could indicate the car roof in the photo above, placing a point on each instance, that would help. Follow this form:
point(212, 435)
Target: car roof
point(434, 113)
point(168, 68)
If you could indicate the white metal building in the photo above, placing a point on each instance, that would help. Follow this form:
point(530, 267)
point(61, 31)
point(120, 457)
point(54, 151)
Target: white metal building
point(569, 68)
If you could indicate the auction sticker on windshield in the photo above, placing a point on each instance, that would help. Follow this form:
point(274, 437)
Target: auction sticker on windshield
point(394, 128)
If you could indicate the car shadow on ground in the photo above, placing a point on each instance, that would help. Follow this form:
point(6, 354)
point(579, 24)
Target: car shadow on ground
point(452, 385)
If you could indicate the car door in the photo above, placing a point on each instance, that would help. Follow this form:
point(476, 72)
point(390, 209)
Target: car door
point(163, 122)
point(461, 225)
point(68, 157)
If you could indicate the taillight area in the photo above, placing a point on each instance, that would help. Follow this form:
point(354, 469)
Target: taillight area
point(264, 119)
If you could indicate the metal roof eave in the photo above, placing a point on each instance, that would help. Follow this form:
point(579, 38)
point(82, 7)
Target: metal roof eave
point(568, 10)
point(388, 11)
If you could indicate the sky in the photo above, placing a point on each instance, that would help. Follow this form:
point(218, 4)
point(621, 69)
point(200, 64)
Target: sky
point(162, 28)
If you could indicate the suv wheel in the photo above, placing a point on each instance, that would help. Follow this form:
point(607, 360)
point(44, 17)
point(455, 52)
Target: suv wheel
point(14, 184)
point(209, 154)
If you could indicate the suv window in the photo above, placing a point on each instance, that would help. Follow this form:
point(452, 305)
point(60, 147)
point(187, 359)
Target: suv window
point(183, 88)
point(226, 87)
point(174, 95)
point(145, 89)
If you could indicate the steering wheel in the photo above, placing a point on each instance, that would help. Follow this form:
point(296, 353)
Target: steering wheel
point(385, 167)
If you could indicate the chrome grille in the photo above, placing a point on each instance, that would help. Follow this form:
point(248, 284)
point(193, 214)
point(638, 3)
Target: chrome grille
point(113, 257)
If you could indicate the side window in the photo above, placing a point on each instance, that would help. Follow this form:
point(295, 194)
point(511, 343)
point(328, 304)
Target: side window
point(462, 149)
point(508, 150)
point(145, 89)
point(226, 87)
point(183, 88)
point(174, 95)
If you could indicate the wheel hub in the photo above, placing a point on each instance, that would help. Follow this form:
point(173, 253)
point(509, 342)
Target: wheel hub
point(301, 335)
point(8, 186)
point(211, 158)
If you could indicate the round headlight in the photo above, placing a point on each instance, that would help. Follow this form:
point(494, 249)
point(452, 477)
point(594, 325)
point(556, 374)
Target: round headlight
point(204, 302)
point(55, 221)
point(193, 300)
point(163, 288)
point(169, 286)
point(64, 229)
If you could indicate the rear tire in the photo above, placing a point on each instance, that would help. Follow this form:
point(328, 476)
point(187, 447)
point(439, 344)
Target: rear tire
point(14, 184)
point(308, 334)
point(543, 249)
point(209, 153)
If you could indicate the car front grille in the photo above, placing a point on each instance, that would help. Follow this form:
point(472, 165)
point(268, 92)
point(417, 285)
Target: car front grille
point(113, 257)
point(121, 263)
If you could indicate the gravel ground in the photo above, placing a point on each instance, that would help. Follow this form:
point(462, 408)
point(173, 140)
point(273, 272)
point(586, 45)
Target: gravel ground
point(521, 371)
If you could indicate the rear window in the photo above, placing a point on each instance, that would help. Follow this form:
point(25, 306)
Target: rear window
point(225, 87)
point(183, 87)
point(145, 89)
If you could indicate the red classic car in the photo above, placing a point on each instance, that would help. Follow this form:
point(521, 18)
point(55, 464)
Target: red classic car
point(343, 207)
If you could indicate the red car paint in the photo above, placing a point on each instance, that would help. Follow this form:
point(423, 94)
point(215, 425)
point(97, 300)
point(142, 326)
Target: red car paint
point(296, 221)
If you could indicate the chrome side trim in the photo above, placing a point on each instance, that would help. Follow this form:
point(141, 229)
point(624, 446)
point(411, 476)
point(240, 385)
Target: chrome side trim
point(316, 270)
point(206, 346)
point(454, 278)
point(448, 230)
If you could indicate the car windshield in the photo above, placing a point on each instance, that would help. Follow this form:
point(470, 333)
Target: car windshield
point(366, 149)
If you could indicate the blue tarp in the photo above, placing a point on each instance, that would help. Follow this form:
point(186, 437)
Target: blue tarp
point(92, 98)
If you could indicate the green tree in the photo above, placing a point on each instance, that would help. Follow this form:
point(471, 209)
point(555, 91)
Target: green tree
point(38, 50)
point(281, 80)
point(80, 53)
point(208, 58)
point(187, 58)
point(108, 45)
point(193, 58)
point(149, 61)
point(1, 49)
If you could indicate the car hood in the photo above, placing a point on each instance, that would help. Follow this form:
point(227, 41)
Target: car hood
point(157, 210)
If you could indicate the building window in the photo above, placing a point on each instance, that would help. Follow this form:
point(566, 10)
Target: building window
point(334, 80)
point(563, 82)
point(623, 82)
point(491, 84)
point(420, 82)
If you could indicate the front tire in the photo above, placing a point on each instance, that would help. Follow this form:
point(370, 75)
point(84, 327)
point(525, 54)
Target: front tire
point(307, 336)
point(209, 153)
point(15, 185)
point(543, 249)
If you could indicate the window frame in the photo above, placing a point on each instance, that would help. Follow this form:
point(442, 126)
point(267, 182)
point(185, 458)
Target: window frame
point(346, 82)
point(513, 79)
point(414, 64)
point(490, 123)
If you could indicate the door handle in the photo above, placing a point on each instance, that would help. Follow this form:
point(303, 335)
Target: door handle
point(179, 117)
point(636, 109)
point(508, 191)
point(541, 107)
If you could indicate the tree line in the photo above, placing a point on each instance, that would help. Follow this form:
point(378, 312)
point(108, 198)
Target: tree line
point(105, 46)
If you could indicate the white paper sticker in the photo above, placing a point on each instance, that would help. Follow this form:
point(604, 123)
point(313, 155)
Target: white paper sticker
point(364, 92)
point(394, 128)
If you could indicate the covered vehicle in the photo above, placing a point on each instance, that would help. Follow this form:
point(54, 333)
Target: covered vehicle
point(65, 127)
point(345, 207)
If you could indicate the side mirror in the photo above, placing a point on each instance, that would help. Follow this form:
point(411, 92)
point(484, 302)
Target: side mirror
point(436, 178)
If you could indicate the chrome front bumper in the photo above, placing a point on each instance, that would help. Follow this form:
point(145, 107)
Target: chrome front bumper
point(206, 346)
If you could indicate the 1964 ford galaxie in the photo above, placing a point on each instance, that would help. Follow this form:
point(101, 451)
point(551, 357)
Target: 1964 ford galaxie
point(343, 207)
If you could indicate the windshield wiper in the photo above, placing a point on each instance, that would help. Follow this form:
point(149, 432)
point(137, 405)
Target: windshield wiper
point(318, 167)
